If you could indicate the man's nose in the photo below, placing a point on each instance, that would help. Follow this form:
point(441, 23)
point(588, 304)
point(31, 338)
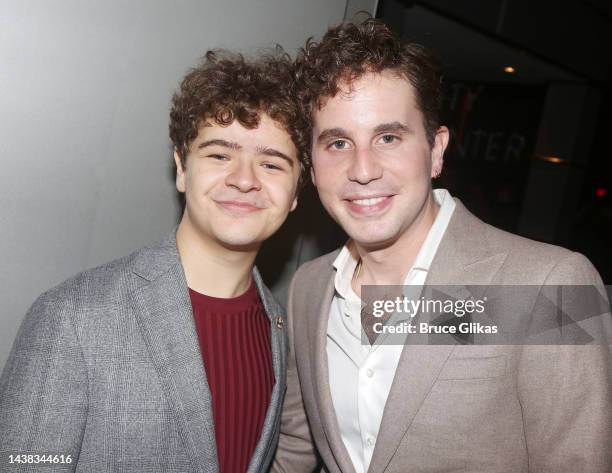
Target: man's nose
point(243, 177)
point(364, 167)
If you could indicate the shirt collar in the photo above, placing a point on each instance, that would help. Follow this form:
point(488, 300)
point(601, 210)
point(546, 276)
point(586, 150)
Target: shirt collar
point(346, 261)
point(436, 232)
point(345, 264)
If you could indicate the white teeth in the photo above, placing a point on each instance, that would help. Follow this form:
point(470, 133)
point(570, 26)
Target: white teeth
point(373, 201)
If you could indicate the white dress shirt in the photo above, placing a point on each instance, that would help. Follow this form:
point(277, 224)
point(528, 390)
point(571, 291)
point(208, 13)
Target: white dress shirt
point(360, 376)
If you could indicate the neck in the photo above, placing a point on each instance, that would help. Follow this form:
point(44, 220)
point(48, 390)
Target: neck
point(210, 268)
point(389, 265)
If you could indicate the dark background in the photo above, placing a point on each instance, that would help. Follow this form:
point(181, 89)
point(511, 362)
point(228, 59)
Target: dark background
point(529, 150)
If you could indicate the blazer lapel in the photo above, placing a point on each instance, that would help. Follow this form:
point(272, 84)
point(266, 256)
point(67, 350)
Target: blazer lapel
point(277, 333)
point(318, 330)
point(463, 257)
point(163, 311)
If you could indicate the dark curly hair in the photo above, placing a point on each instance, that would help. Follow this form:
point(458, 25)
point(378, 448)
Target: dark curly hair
point(349, 50)
point(226, 86)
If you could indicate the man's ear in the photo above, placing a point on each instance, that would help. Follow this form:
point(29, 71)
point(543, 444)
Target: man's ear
point(437, 151)
point(180, 172)
point(294, 204)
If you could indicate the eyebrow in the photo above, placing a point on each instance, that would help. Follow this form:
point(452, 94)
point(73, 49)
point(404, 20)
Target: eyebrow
point(392, 127)
point(274, 152)
point(266, 151)
point(224, 143)
point(331, 133)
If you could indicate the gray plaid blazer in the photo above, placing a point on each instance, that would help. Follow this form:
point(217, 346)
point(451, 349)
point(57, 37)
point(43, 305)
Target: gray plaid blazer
point(106, 367)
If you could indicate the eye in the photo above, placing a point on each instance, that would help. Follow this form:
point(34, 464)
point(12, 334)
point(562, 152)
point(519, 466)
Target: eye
point(272, 166)
point(218, 157)
point(338, 144)
point(388, 139)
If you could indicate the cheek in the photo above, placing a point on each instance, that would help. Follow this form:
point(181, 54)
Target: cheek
point(412, 164)
point(198, 179)
point(327, 173)
point(281, 193)
point(412, 172)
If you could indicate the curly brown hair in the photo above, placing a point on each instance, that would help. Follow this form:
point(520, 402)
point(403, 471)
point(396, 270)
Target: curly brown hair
point(349, 50)
point(226, 86)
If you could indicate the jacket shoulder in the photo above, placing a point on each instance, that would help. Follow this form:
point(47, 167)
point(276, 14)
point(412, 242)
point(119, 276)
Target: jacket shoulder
point(100, 285)
point(554, 264)
point(513, 243)
point(316, 268)
point(308, 276)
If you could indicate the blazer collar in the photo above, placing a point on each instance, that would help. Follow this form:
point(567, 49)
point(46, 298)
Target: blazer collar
point(165, 317)
point(329, 421)
point(465, 254)
point(162, 305)
point(464, 257)
point(154, 260)
point(263, 451)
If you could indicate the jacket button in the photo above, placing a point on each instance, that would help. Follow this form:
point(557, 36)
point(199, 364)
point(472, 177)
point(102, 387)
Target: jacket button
point(280, 322)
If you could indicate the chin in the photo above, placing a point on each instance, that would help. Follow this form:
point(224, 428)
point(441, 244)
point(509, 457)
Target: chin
point(371, 233)
point(375, 240)
point(374, 244)
point(245, 239)
point(240, 244)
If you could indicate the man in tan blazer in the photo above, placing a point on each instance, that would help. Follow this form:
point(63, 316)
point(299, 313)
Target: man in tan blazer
point(354, 408)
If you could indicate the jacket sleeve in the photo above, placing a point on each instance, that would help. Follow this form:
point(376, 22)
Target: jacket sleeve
point(565, 390)
point(43, 390)
point(296, 451)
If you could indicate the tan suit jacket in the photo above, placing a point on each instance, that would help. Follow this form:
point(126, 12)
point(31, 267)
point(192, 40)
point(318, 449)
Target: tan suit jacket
point(453, 408)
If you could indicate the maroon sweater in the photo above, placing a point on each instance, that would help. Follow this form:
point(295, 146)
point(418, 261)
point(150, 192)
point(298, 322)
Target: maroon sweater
point(234, 337)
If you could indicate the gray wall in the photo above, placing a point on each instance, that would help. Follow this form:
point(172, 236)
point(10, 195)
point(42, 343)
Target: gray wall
point(86, 170)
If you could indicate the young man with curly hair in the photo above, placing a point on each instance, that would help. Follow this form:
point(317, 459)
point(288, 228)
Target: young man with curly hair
point(376, 143)
point(172, 359)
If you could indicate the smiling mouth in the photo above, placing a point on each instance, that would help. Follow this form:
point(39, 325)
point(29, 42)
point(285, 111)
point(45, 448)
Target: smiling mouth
point(370, 206)
point(371, 201)
point(237, 206)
